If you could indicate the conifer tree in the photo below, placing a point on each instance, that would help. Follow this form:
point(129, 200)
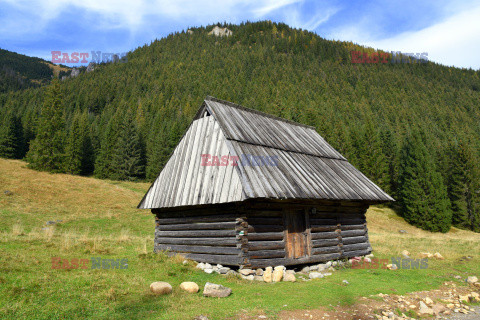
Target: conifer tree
point(11, 138)
point(47, 149)
point(423, 195)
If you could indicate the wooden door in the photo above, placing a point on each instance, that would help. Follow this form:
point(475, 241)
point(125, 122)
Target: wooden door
point(297, 238)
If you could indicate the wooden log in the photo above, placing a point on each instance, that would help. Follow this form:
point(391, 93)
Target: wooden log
point(196, 233)
point(266, 254)
point(352, 221)
point(261, 263)
point(314, 221)
point(265, 245)
point(323, 250)
point(226, 242)
point(353, 227)
point(350, 254)
point(264, 228)
point(351, 240)
point(355, 247)
point(198, 226)
point(325, 242)
point(197, 249)
point(265, 236)
point(215, 259)
point(265, 220)
point(197, 219)
point(352, 233)
point(324, 235)
point(317, 228)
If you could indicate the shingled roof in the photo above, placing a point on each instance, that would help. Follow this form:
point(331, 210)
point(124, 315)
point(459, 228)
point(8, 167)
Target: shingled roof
point(305, 166)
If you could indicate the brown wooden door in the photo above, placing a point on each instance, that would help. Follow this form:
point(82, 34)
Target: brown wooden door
point(297, 238)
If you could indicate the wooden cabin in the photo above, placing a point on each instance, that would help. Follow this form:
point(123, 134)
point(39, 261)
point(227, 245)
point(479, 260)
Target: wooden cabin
point(250, 189)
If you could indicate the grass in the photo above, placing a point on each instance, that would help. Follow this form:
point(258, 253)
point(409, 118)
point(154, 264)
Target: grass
point(99, 219)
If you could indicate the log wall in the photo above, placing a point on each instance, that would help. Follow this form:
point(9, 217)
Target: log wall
point(255, 235)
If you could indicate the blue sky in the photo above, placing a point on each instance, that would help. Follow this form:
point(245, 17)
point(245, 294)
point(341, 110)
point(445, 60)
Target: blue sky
point(449, 31)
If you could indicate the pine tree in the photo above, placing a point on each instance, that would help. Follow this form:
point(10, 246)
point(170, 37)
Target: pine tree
point(74, 148)
point(11, 138)
point(47, 149)
point(423, 196)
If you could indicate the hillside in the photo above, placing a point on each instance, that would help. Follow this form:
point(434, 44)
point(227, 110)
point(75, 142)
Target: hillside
point(374, 114)
point(18, 71)
point(97, 218)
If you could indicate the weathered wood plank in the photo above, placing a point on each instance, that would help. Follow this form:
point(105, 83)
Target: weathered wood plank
point(198, 219)
point(323, 250)
point(325, 242)
point(352, 227)
point(352, 233)
point(265, 245)
point(351, 240)
point(197, 226)
point(231, 241)
point(198, 249)
point(317, 228)
point(266, 254)
point(350, 254)
point(355, 247)
point(324, 235)
point(265, 236)
point(196, 233)
point(264, 228)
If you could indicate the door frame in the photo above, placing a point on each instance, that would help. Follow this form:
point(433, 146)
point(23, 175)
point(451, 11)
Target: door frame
point(306, 233)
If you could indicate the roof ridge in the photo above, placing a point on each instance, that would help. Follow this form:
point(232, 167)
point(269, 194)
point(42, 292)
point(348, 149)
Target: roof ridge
point(235, 105)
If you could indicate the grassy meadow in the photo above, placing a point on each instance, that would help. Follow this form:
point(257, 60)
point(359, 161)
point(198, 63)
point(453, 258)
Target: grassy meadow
point(99, 219)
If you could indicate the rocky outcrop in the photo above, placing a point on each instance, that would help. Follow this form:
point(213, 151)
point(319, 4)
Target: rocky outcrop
point(220, 32)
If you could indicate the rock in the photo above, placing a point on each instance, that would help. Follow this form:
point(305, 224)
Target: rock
point(406, 254)
point(305, 270)
point(161, 287)
point(91, 66)
point(190, 31)
point(190, 287)
point(208, 270)
point(259, 272)
point(267, 274)
point(450, 306)
point(7, 193)
point(345, 282)
point(216, 290)
point(428, 301)
point(315, 275)
point(402, 231)
point(424, 309)
point(48, 223)
point(370, 256)
point(367, 260)
point(289, 277)
point(278, 274)
point(328, 264)
point(246, 272)
point(208, 266)
point(474, 297)
point(426, 255)
point(392, 267)
point(412, 306)
point(185, 262)
point(249, 277)
point(220, 32)
point(75, 72)
point(438, 256)
point(231, 273)
point(458, 277)
point(472, 279)
point(290, 271)
point(200, 266)
point(258, 278)
point(223, 270)
point(326, 274)
point(438, 308)
point(464, 298)
point(316, 267)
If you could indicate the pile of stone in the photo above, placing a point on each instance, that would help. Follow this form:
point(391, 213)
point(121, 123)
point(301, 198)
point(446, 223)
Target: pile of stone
point(278, 273)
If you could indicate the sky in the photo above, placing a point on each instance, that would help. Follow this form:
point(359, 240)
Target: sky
point(448, 31)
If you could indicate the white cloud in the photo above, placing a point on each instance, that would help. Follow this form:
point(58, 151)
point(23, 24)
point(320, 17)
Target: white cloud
point(455, 41)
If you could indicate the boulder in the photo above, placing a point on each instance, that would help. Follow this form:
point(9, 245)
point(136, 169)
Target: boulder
point(208, 270)
point(438, 256)
point(246, 272)
point(200, 266)
point(249, 277)
point(190, 287)
point(426, 255)
point(315, 275)
point(406, 254)
point(267, 275)
point(428, 301)
point(216, 290)
point(289, 277)
point(259, 272)
point(223, 270)
point(161, 287)
point(392, 267)
point(278, 274)
point(423, 309)
point(258, 278)
point(472, 279)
